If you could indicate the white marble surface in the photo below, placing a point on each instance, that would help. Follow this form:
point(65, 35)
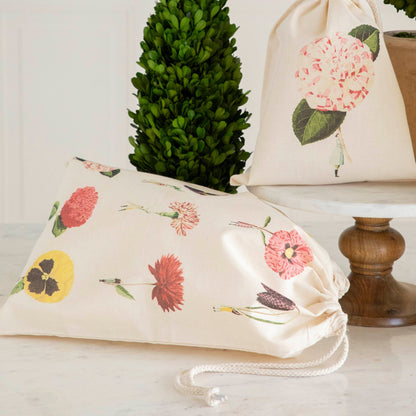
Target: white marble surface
point(60, 377)
point(363, 199)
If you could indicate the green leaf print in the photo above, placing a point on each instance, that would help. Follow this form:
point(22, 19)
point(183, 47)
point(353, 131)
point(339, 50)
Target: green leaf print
point(58, 227)
point(368, 35)
point(310, 125)
point(111, 173)
point(124, 292)
point(20, 285)
point(54, 210)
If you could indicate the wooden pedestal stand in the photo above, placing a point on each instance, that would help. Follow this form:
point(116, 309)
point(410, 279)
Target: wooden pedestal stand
point(375, 298)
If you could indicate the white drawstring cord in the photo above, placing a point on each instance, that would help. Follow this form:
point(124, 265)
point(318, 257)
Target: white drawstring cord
point(184, 381)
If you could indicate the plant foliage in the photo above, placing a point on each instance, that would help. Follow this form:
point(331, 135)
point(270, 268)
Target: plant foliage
point(408, 6)
point(189, 123)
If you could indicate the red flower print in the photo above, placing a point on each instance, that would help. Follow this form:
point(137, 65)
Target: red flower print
point(78, 209)
point(168, 289)
point(187, 217)
point(287, 253)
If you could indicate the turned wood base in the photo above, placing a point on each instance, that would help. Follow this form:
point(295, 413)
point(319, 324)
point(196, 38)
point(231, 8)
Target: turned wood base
point(375, 298)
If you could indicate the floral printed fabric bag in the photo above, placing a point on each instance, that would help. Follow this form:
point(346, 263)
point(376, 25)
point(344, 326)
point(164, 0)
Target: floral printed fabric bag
point(331, 109)
point(132, 256)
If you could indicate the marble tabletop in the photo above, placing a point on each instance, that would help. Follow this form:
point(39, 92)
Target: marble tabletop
point(47, 376)
point(362, 199)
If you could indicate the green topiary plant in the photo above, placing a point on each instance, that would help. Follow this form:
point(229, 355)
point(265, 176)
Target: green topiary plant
point(408, 6)
point(189, 122)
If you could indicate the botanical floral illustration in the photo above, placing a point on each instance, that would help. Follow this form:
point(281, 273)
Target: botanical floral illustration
point(76, 211)
point(168, 289)
point(335, 74)
point(275, 305)
point(286, 252)
point(98, 167)
point(184, 215)
point(49, 279)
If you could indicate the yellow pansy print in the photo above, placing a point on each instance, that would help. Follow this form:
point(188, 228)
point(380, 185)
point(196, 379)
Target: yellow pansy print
point(50, 278)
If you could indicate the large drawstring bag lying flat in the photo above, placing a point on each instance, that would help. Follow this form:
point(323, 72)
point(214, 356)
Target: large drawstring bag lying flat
point(130, 256)
point(331, 109)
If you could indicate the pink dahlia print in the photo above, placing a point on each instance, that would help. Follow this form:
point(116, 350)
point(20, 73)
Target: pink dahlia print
point(335, 72)
point(187, 217)
point(77, 210)
point(168, 289)
point(287, 254)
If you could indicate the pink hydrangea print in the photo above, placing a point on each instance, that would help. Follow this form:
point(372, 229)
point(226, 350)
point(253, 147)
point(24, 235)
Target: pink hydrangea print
point(79, 207)
point(335, 73)
point(287, 253)
point(76, 211)
point(187, 217)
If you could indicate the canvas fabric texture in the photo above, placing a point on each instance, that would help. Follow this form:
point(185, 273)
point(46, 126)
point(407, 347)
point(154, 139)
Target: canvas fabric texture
point(331, 109)
point(130, 256)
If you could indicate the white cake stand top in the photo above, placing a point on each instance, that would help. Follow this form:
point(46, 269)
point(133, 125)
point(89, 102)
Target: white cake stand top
point(363, 199)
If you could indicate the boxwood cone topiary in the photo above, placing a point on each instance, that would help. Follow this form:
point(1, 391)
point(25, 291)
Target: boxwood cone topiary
point(189, 123)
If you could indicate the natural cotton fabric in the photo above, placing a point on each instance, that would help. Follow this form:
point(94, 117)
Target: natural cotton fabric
point(331, 110)
point(130, 256)
point(138, 257)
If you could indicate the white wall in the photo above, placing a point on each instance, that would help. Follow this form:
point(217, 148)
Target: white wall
point(65, 70)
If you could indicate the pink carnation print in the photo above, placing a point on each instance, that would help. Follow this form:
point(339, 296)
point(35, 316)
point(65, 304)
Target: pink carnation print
point(187, 217)
point(335, 72)
point(97, 166)
point(184, 215)
point(287, 254)
point(108, 171)
point(76, 211)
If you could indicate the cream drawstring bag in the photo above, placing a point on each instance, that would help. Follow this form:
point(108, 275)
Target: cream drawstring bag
point(331, 109)
point(130, 256)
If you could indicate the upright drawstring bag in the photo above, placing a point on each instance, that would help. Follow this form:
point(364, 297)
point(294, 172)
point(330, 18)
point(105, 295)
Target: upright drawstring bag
point(331, 109)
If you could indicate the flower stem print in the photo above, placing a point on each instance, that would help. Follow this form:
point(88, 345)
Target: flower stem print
point(335, 74)
point(163, 184)
point(286, 253)
point(337, 155)
point(274, 306)
point(184, 215)
point(168, 288)
point(76, 211)
point(177, 188)
point(50, 278)
point(199, 191)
